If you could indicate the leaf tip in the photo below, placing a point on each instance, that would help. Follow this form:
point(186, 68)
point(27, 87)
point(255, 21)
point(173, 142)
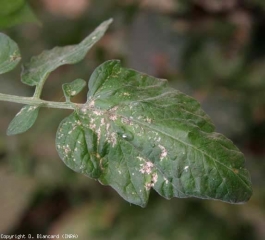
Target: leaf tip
point(9, 132)
point(110, 20)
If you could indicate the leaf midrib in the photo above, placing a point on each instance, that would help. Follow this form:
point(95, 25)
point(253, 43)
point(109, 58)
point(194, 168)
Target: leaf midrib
point(189, 145)
point(186, 144)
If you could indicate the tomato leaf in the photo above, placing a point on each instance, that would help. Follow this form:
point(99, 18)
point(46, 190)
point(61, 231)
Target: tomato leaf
point(38, 69)
point(9, 54)
point(24, 120)
point(73, 88)
point(135, 133)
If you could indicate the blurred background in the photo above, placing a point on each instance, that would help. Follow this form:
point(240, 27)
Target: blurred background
point(210, 49)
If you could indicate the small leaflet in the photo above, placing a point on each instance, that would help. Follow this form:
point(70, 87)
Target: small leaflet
point(38, 69)
point(135, 133)
point(73, 88)
point(9, 54)
point(24, 120)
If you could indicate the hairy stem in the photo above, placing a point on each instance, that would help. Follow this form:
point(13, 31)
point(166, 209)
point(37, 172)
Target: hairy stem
point(36, 101)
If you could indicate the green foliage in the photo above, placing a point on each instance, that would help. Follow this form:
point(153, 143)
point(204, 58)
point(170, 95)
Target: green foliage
point(24, 120)
point(135, 133)
point(73, 88)
point(15, 12)
point(9, 54)
point(38, 69)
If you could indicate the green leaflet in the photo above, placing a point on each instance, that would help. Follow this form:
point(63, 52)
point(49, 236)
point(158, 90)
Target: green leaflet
point(24, 120)
point(73, 88)
point(15, 12)
point(9, 54)
point(38, 69)
point(136, 133)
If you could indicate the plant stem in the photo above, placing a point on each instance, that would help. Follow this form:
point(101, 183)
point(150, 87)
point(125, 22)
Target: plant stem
point(36, 101)
point(39, 88)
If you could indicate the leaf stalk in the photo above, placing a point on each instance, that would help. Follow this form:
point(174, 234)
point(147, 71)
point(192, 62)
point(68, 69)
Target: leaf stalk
point(37, 102)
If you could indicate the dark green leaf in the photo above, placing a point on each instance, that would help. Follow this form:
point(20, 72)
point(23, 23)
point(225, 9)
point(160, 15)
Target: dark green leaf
point(73, 88)
point(38, 69)
point(24, 120)
point(9, 54)
point(136, 133)
point(23, 14)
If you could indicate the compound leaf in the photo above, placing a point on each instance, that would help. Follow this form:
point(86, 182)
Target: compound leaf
point(73, 88)
point(135, 133)
point(24, 120)
point(38, 69)
point(9, 54)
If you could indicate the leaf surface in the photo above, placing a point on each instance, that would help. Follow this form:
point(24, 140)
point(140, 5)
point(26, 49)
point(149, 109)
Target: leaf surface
point(24, 120)
point(9, 54)
point(73, 88)
point(38, 69)
point(135, 133)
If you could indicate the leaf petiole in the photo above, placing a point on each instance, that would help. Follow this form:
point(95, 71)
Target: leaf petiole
point(37, 101)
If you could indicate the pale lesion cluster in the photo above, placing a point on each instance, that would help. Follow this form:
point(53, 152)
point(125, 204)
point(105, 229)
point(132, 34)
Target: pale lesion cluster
point(163, 152)
point(66, 149)
point(73, 93)
point(28, 108)
point(32, 108)
point(15, 57)
point(151, 184)
point(147, 168)
point(77, 123)
point(112, 115)
point(100, 121)
point(90, 107)
point(150, 170)
point(148, 120)
point(127, 121)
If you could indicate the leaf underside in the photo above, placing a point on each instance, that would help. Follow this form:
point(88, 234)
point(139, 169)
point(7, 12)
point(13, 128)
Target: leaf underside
point(38, 69)
point(135, 133)
point(9, 54)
